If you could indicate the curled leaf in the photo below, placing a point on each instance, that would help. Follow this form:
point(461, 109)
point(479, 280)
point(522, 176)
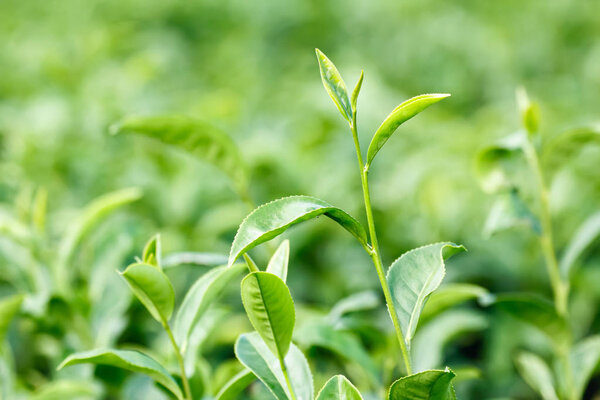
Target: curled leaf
point(397, 117)
point(272, 219)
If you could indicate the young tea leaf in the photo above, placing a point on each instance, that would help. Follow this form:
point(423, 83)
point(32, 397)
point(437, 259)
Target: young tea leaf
point(397, 117)
point(530, 112)
point(236, 385)
point(202, 293)
point(413, 277)
point(129, 360)
point(334, 85)
point(278, 264)
point(153, 288)
point(152, 252)
point(252, 351)
point(537, 374)
point(426, 385)
point(339, 388)
point(270, 308)
point(198, 138)
point(356, 91)
point(274, 218)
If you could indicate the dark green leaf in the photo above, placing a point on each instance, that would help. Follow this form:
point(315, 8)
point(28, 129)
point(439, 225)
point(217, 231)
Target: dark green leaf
point(270, 308)
point(426, 385)
point(153, 288)
point(129, 360)
point(397, 117)
point(200, 295)
point(334, 85)
point(339, 388)
point(413, 277)
point(274, 218)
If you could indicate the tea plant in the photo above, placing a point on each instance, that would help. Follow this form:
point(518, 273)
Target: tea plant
point(499, 167)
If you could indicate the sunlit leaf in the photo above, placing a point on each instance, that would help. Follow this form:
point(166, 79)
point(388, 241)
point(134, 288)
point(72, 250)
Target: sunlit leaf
point(278, 264)
point(200, 295)
point(334, 85)
point(256, 356)
point(153, 288)
point(129, 360)
point(270, 308)
point(339, 388)
point(530, 112)
point(397, 117)
point(413, 277)
point(198, 138)
point(274, 218)
point(426, 385)
point(580, 241)
point(429, 344)
point(537, 374)
point(236, 385)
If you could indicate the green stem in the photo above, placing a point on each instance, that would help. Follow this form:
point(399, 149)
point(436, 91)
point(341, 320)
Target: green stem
point(184, 379)
point(374, 250)
point(287, 378)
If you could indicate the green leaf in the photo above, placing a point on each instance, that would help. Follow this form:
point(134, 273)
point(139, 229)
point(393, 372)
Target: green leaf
point(252, 351)
point(450, 295)
point(152, 252)
point(129, 360)
point(68, 389)
point(581, 240)
point(563, 148)
point(361, 301)
point(270, 308)
point(397, 117)
point(413, 277)
point(509, 211)
point(539, 313)
point(530, 112)
point(194, 258)
point(537, 374)
point(428, 346)
point(339, 388)
point(236, 385)
point(356, 90)
point(274, 218)
point(95, 212)
point(197, 138)
point(495, 165)
point(342, 343)
point(200, 295)
point(153, 288)
point(278, 264)
point(9, 307)
point(334, 85)
point(585, 357)
point(426, 385)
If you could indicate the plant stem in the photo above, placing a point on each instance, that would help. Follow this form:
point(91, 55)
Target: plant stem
point(560, 287)
point(287, 378)
point(186, 384)
point(374, 251)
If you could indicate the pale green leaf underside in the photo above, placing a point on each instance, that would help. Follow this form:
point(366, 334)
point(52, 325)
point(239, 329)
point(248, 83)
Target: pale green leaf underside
point(426, 385)
point(274, 218)
point(537, 374)
point(450, 295)
point(270, 308)
point(200, 295)
point(580, 241)
point(129, 360)
point(198, 138)
point(9, 307)
point(339, 388)
point(278, 264)
point(334, 85)
point(153, 288)
point(413, 277)
point(236, 385)
point(585, 357)
point(397, 117)
point(256, 356)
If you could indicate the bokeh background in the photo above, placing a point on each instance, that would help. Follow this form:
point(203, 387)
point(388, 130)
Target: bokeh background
point(69, 69)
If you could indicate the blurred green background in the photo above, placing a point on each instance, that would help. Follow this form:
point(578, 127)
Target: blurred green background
point(69, 69)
